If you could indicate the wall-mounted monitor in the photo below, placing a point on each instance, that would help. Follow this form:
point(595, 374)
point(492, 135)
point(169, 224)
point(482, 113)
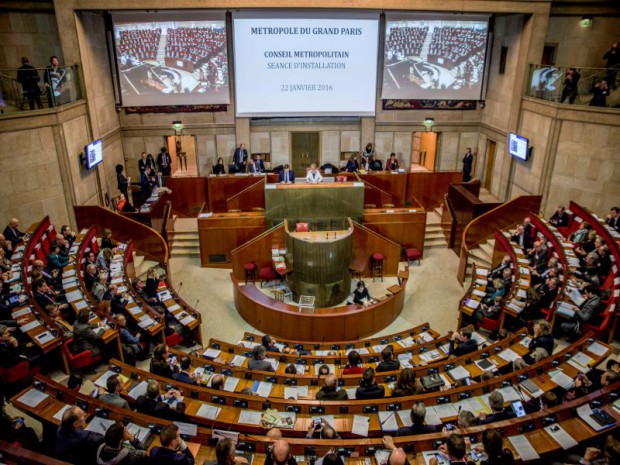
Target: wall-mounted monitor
point(305, 63)
point(434, 56)
point(94, 154)
point(172, 57)
point(518, 146)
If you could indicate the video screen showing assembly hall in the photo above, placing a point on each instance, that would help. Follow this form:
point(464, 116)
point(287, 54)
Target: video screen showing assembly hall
point(347, 233)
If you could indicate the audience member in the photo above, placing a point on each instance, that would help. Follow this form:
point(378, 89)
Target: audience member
point(560, 218)
point(584, 313)
point(217, 382)
point(161, 363)
point(225, 453)
point(354, 367)
point(498, 413)
point(258, 362)
point(407, 385)
point(456, 448)
point(389, 363)
point(369, 389)
point(613, 218)
point(120, 447)
point(313, 176)
point(84, 335)
point(418, 413)
point(461, 343)
point(14, 430)
point(542, 338)
point(522, 239)
point(183, 376)
point(114, 388)
point(592, 455)
point(330, 391)
point(493, 446)
point(12, 234)
point(157, 405)
point(173, 449)
point(361, 295)
point(325, 430)
point(101, 286)
point(352, 165)
point(280, 454)
point(73, 443)
point(130, 342)
point(269, 343)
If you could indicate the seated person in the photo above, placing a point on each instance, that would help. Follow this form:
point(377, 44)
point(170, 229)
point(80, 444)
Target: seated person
point(114, 388)
point(280, 454)
point(106, 239)
point(153, 403)
point(581, 234)
point(12, 234)
point(269, 343)
point(173, 449)
point(456, 449)
point(217, 382)
point(392, 163)
point(407, 385)
point(538, 257)
point(326, 431)
point(498, 413)
point(418, 413)
point(538, 298)
point(130, 342)
point(286, 176)
point(354, 367)
point(593, 381)
point(184, 376)
point(584, 313)
point(542, 338)
point(461, 343)
point(497, 271)
point(389, 363)
point(104, 259)
point(225, 453)
point(352, 165)
point(90, 277)
point(559, 219)
point(219, 167)
point(258, 362)
point(55, 260)
point(493, 447)
point(361, 295)
point(613, 218)
point(84, 335)
point(330, 391)
point(117, 302)
point(68, 234)
point(12, 352)
point(369, 389)
point(101, 286)
point(124, 206)
point(120, 447)
point(74, 444)
point(14, 430)
point(374, 164)
point(492, 311)
point(313, 176)
point(52, 277)
point(45, 296)
point(397, 454)
point(523, 239)
point(161, 363)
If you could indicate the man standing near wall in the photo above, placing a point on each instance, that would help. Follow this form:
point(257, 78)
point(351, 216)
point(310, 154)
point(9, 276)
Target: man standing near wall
point(29, 78)
point(468, 163)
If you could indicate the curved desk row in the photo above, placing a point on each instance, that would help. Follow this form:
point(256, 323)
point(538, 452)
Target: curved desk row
point(285, 321)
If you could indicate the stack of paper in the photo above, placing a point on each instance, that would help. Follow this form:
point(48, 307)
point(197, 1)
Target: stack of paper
point(524, 448)
point(360, 425)
point(238, 360)
point(560, 436)
point(250, 417)
point(210, 412)
point(459, 373)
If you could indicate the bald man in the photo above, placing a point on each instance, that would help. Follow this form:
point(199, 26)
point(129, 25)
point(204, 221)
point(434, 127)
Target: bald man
point(12, 233)
point(397, 454)
point(280, 454)
point(73, 443)
point(330, 391)
point(217, 383)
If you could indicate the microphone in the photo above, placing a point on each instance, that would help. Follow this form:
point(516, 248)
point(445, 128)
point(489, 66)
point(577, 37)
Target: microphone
point(179, 287)
point(388, 417)
point(196, 307)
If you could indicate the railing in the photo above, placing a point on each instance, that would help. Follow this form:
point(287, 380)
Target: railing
point(448, 221)
point(374, 194)
point(251, 197)
point(39, 88)
point(501, 217)
point(569, 85)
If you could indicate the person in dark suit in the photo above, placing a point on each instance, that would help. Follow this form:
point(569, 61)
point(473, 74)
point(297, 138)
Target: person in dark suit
point(613, 218)
point(468, 162)
point(154, 404)
point(84, 335)
point(258, 361)
point(240, 158)
point(330, 390)
point(183, 376)
point(369, 388)
point(142, 163)
point(260, 164)
point(498, 413)
point(375, 164)
point(560, 218)
point(389, 363)
point(12, 233)
point(286, 176)
point(252, 168)
point(461, 343)
point(542, 338)
point(11, 351)
point(269, 343)
point(352, 165)
point(418, 412)
point(524, 240)
point(121, 181)
point(173, 450)
point(584, 313)
point(73, 443)
point(29, 78)
point(164, 162)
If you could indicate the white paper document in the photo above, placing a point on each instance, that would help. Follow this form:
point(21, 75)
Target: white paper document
point(210, 412)
point(597, 349)
point(291, 392)
point(264, 389)
point(33, 397)
point(560, 436)
point(22, 312)
point(237, 360)
point(387, 420)
point(509, 355)
point(99, 425)
point(103, 379)
point(250, 417)
point(458, 373)
point(28, 326)
point(211, 353)
point(73, 295)
point(360, 425)
point(231, 384)
point(44, 337)
point(138, 390)
point(562, 379)
point(187, 429)
point(524, 448)
point(405, 416)
point(139, 432)
point(58, 415)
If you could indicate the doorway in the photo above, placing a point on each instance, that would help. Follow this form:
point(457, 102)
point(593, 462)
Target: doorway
point(304, 151)
point(548, 55)
point(488, 176)
point(183, 153)
point(423, 151)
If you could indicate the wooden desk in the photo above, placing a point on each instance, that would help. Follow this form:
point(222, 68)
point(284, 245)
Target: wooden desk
point(320, 236)
point(284, 321)
point(405, 226)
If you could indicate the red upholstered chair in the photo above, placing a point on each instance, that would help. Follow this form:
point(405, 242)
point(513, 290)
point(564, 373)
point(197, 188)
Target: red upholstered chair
point(39, 254)
point(341, 179)
point(250, 272)
point(45, 245)
point(78, 361)
point(51, 234)
point(302, 227)
point(413, 255)
point(377, 265)
point(19, 372)
point(94, 245)
point(601, 328)
point(267, 273)
point(489, 324)
point(174, 340)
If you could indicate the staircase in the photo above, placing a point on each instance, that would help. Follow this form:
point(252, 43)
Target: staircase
point(482, 256)
point(142, 265)
point(433, 235)
point(185, 243)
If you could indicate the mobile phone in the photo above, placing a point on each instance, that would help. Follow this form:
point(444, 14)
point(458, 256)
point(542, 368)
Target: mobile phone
point(517, 407)
point(439, 458)
point(96, 392)
point(19, 421)
point(449, 426)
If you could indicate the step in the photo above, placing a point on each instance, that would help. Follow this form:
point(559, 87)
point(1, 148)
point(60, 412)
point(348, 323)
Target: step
point(185, 253)
point(190, 245)
point(184, 233)
point(488, 248)
point(433, 217)
point(185, 242)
